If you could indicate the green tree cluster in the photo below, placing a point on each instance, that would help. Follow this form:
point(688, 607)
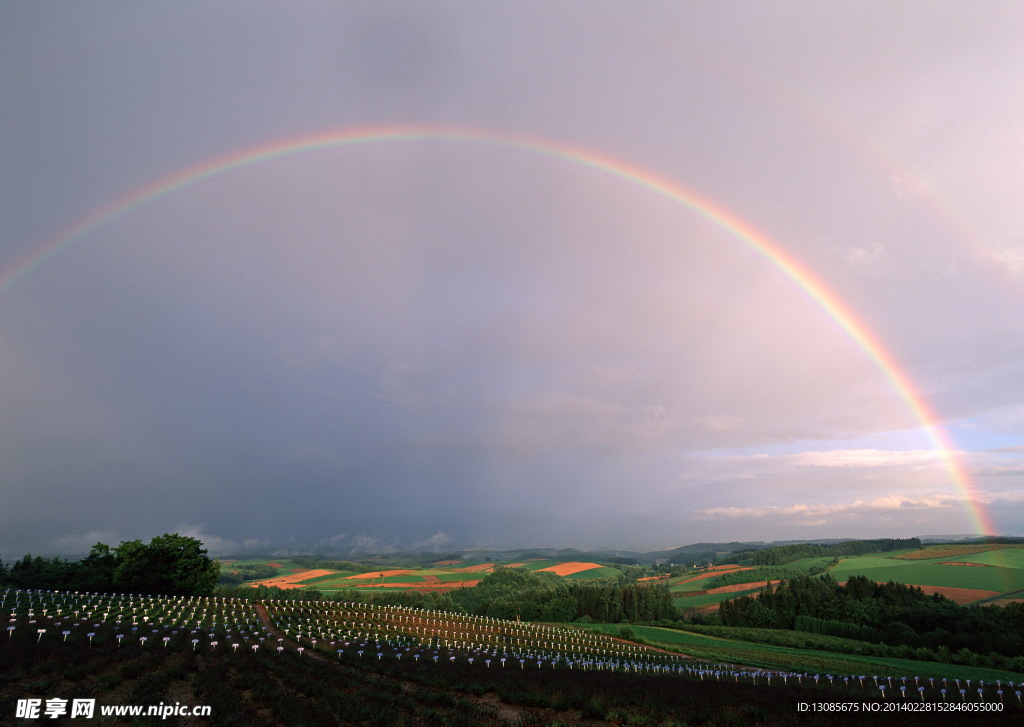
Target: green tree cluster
point(761, 574)
point(891, 613)
point(241, 573)
point(515, 593)
point(349, 565)
point(783, 554)
point(169, 565)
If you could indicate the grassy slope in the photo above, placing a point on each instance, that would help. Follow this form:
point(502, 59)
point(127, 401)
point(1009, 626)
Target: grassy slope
point(933, 573)
point(767, 656)
point(1007, 577)
point(455, 573)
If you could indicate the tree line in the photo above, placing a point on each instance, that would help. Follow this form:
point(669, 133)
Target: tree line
point(515, 593)
point(169, 565)
point(509, 593)
point(890, 613)
point(783, 554)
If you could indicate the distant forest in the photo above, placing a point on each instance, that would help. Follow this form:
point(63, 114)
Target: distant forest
point(888, 619)
point(169, 565)
point(785, 554)
point(925, 626)
point(513, 593)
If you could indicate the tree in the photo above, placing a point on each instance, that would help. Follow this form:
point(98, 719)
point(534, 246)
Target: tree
point(95, 572)
point(170, 565)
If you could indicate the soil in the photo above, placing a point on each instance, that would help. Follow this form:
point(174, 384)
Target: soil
point(951, 550)
point(740, 587)
point(511, 713)
point(292, 580)
point(379, 574)
point(425, 586)
point(713, 574)
point(567, 569)
point(963, 596)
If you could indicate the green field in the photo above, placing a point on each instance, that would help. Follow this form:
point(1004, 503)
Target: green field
point(1003, 577)
point(539, 564)
point(993, 576)
point(817, 562)
point(342, 663)
point(286, 566)
point(701, 601)
point(1002, 558)
point(602, 572)
point(456, 573)
point(812, 661)
point(331, 577)
point(1000, 572)
point(694, 586)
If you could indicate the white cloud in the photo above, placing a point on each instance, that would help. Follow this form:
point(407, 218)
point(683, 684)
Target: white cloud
point(868, 458)
point(73, 544)
point(435, 543)
point(357, 543)
point(820, 513)
point(216, 545)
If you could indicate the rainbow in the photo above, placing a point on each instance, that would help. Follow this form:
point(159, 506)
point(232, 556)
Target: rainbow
point(771, 251)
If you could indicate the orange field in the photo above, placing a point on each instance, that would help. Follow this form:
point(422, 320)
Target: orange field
point(715, 573)
point(291, 581)
point(950, 550)
point(963, 596)
point(424, 586)
point(739, 587)
point(376, 574)
point(567, 569)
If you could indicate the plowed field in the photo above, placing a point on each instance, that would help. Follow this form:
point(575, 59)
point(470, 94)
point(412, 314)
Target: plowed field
point(714, 574)
point(292, 580)
point(376, 574)
point(567, 569)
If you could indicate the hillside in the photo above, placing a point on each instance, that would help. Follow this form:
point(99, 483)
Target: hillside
point(281, 662)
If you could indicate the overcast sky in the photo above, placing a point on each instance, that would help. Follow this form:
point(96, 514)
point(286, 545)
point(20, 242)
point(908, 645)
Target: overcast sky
point(444, 342)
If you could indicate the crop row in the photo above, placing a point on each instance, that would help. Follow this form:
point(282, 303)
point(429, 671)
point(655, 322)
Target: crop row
point(47, 629)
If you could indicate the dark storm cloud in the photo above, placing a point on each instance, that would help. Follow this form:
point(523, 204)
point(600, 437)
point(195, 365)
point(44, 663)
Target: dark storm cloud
point(447, 343)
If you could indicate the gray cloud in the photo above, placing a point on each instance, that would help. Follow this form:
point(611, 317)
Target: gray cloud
point(443, 342)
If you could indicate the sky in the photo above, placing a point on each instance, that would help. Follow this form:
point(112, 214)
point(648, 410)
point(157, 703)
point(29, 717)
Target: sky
point(341, 276)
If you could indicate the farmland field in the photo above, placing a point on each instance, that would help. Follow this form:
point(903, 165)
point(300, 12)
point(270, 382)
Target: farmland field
point(996, 576)
point(318, 663)
point(1002, 558)
point(811, 661)
point(951, 550)
point(700, 601)
point(434, 577)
